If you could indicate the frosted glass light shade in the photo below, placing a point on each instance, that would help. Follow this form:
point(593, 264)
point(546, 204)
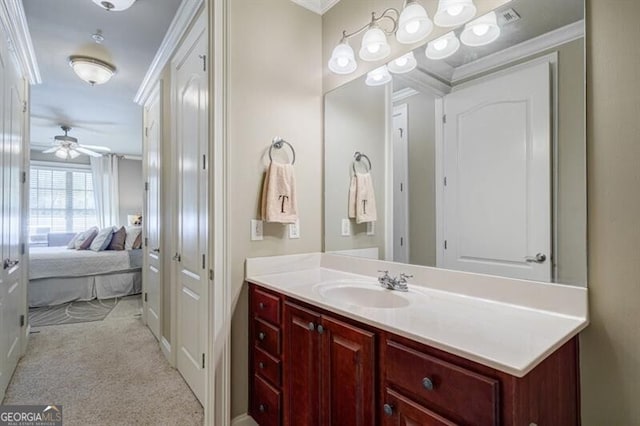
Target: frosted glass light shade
point(73, 154)
point(443, 47)
point(403, 64)
point(62, 153)
point(481, 31)
point(378, 77)
point(414, 24)
point(452, 13)
point(114, 5)
point(343, 60)
point(374, 45)
point(92, 70)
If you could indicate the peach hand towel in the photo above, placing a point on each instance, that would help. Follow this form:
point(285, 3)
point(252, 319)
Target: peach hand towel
point(365, 199)
point(352, 198)
point(279, 202)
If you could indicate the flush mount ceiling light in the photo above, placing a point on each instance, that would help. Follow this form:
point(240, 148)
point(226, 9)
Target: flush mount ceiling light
point(343, 60)
point(114, 5)
point(378, 77)
point(481, 31)
point(452, 13)
point(443, 47)
point(92, 70)
point(403, 64)
point(414, 24)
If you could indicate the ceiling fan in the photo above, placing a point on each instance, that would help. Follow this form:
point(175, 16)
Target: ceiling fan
point(69, 148)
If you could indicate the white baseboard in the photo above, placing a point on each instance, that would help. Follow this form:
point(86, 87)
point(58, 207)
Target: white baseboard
point(243, 420)
point(166, 348)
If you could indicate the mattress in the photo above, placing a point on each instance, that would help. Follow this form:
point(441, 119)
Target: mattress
point(58, 262)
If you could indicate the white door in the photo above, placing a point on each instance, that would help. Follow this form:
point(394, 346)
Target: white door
point(497, 164)
point(400, 138)
point(191, 89)
point(153, 264)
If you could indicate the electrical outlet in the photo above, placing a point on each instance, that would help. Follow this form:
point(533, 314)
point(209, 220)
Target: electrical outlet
point(294, 230)
point(256, 230)
point(346, 227)
point(371, 228)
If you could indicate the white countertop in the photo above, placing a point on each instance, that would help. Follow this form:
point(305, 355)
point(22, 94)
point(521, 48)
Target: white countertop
point(510, 337)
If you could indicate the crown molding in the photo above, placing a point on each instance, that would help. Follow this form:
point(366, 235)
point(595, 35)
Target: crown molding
point(401, 94)
point(525, 49)
point(14, 21)
point(184, 16)
point(317, 6)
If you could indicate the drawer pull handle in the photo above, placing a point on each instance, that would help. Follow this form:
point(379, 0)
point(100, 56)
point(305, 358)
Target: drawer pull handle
point(311, 326)
point(320, 329)
point(261, 305)
point(388, 409)
point(261, 335)
point(262, 408)
point(261, 365)
point(427, 384)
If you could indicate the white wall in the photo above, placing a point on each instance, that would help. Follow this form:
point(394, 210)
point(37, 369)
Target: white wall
point(130, 188)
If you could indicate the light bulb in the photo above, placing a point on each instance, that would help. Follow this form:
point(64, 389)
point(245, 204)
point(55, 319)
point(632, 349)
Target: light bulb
point(455, 10)
point(373, 48)
point(412, 27)
point(403, 64)
point(402, 61)
point(480, 29)
point(440, 44)
point(377, 77)
point(342, 61)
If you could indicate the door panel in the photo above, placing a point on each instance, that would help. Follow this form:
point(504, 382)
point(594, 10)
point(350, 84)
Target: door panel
point(400, 180)
point(497, 163)
point(191, 91)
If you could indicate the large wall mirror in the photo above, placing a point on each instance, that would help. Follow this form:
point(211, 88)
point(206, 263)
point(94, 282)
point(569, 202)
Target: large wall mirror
point(476, 161)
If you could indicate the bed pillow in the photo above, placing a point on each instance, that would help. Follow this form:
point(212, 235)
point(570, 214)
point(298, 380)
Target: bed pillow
point(85, 239)
point(72, 243)
point(137, 244)
point(132, 234)
point(102, 240)
point(117, 239)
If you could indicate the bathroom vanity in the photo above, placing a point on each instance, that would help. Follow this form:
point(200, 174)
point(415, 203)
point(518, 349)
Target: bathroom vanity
point(329, 346)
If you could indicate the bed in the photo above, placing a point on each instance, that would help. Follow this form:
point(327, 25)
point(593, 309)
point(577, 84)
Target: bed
point(60, 275)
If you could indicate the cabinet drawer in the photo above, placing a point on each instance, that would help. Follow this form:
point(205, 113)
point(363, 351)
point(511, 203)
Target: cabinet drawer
point(266, 336)
point(266, 366)
point(266, 403)
point(399, 410)
point(460, 394)
point(266, 306)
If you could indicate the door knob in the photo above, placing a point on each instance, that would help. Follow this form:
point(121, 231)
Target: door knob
point(156, 250)
point(427, 383)
point(538, 258)
point(388, 409)
point(311, 326)
point(176, 257)
point(261, 335)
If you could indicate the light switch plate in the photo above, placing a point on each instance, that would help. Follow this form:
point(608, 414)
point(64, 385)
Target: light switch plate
point(371, 228)
point(346, 227)
point(294, 230)
point(256, 230)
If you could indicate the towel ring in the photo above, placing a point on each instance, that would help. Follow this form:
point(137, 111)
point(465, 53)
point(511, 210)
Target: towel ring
point(358, 156)
point(278, 143)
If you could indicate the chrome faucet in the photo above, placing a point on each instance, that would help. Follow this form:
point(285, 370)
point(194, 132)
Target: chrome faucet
point(397, 283)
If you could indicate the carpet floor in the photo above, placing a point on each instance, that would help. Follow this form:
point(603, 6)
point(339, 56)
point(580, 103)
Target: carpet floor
point(109, 372)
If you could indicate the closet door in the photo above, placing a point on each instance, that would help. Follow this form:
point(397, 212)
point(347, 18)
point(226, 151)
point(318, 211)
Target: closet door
point(190, 87)
point(152, 279)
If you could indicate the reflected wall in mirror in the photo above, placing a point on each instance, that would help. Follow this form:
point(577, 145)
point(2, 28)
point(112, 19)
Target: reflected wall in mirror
point(477, 160)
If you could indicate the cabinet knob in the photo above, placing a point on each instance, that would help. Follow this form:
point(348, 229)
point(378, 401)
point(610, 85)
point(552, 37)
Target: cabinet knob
point(262, 408)
point(261, 305)
point(261, 335)
point(311, 326)
point(261, 365)
point(427, 384)
point(388, 409)
point(320, 329)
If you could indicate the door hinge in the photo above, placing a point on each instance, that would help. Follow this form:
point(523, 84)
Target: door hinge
point(22, 320)
point(202, 360)
point(211, 274)
point(445, 244)
point(146, 131)
point(445, 181)
point(203, 263)
point(204, 162)
point(401, 187)
point(146, 297)
point(24, 106)
point(23, 177)
point(146, 186)
point(23, 248)
point(204, 62)
point(444, 118)
point(146, 242)
point(401, 241)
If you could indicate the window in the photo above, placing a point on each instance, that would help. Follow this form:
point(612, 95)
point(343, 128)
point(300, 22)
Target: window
point(61, 200)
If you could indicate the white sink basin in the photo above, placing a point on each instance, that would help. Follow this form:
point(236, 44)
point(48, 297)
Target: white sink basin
point(366, 294)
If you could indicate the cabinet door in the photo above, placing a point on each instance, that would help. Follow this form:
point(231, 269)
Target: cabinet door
point(348, 374)
point(401, 411)
point(301, 356)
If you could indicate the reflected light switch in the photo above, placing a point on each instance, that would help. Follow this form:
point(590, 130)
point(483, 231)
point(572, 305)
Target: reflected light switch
point(346, 227)
point(256, 230)
point(371, 228)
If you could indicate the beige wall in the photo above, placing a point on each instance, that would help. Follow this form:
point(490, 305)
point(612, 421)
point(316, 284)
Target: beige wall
point(275, 89)
point(130, 188)
point(610, 346)
point(355, 120)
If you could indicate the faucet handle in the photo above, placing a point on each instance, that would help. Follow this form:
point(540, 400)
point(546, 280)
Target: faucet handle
point(386, 273)
point(405, 277)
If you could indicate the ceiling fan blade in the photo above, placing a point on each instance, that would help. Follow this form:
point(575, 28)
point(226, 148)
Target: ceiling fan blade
point(87, 151)
point(96, 148)
point(50, 150)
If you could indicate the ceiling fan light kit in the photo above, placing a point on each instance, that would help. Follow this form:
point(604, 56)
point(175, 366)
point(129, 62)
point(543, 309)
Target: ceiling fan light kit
point(69, 148)
point(92, 70)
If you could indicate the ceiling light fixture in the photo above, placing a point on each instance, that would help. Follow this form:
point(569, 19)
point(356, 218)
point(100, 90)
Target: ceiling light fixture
point(374, 45)
point(481, 31)
point(452, 13)
point(443, 46)
point(378, 77)
point(114, 5)
point(343, 60)
point(403, 64)
point(92, 70)
point(414, 24)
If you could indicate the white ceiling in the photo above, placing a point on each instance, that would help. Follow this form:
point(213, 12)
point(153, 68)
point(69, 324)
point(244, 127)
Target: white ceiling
point(100, 115)
point(317, 6)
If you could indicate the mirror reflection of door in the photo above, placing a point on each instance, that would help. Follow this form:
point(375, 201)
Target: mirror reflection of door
point(400, 181)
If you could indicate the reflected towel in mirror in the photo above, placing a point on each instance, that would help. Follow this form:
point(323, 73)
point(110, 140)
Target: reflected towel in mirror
point(362, 200)
point(279, 203)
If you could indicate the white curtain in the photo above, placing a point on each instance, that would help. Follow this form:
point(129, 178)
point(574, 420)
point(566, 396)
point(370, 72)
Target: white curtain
point(105, 189)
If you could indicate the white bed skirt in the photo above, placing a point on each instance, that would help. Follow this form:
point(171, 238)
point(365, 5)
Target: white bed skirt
point(55, 291)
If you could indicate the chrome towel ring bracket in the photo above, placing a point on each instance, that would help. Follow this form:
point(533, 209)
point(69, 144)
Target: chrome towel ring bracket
point(357, 157)
point(278, 143)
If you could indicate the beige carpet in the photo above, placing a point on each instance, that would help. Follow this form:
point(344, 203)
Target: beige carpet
point(110, 372)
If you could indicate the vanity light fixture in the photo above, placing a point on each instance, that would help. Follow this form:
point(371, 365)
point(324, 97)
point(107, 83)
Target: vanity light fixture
point(114, 5)
point(414, 24)
point(403, 64)
point(378, 77)
point(374, 44)
point(92, 70)
point(443, 46)
point(481, 31)
point(452, 13)
point(343, 60)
